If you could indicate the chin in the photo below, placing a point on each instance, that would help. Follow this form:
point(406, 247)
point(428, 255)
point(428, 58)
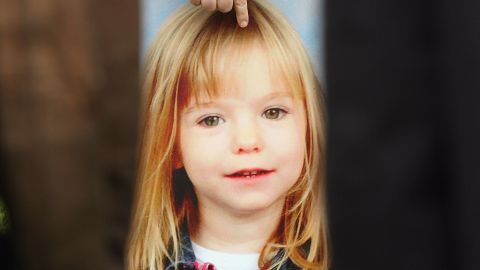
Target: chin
point(252, 205)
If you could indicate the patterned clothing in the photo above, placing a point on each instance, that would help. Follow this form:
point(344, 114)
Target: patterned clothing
point(188, 261)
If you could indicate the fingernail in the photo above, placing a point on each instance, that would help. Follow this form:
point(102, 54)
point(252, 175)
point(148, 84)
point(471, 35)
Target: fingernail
point(243, 23)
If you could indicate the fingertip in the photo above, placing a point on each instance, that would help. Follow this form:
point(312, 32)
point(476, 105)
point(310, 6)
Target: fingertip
point(242, 20)
point(224, 10)
point(196, 2)
point(241, 10)
point(209, 5)
point(225, 6)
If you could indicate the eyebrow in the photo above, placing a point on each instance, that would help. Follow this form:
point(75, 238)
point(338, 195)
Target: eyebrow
point(258, 100)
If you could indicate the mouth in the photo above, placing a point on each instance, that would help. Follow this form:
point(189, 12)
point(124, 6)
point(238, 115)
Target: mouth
point(252, 173)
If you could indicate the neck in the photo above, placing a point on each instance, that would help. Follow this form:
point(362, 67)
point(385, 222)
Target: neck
point(247, 232)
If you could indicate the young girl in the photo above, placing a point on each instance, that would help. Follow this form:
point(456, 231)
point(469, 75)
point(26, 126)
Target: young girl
point(231, 155)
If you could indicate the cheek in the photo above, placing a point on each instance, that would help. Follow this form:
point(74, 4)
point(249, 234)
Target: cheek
point(200, 154)
point(289, 139)
point(288, 145)
point(289, 148)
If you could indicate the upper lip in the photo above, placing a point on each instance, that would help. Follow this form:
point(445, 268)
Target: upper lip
point(249, 171)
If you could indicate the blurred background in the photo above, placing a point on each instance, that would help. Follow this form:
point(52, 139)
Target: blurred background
point(68, 130)
point(402, 83)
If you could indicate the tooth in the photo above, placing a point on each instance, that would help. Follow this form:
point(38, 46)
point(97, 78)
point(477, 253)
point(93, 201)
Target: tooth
point(249, 173)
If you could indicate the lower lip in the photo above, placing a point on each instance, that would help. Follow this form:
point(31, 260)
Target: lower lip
point(252, 178)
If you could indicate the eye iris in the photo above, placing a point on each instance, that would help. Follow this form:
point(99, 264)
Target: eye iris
point(272, 113)
point(211, 121)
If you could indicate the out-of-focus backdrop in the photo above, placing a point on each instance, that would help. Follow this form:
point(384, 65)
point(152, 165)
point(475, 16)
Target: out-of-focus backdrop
point(403, 174)
point(68, 128)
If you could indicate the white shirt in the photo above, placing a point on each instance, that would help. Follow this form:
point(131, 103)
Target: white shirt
point(226, 261)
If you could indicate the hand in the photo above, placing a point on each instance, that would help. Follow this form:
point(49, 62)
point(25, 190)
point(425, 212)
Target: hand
point(226, 6)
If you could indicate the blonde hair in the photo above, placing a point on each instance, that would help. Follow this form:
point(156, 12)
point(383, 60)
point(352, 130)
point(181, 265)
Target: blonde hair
point(180, 64)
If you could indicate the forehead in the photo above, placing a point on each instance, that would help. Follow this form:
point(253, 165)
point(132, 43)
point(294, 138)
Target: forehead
point(246, 72)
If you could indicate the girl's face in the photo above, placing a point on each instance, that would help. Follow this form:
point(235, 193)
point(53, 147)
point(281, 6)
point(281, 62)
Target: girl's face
point(244, 149)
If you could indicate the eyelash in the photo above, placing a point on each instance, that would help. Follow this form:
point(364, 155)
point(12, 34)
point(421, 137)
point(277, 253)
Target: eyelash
point(282, 113)
point(202, 121)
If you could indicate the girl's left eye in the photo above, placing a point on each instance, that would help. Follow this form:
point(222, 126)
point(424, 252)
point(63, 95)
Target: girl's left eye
point(274, 113)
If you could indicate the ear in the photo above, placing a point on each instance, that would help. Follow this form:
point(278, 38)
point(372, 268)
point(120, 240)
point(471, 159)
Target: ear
point(177, 159)
point(177, 163)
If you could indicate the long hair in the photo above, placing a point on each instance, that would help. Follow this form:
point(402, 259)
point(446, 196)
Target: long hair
point(182, 63)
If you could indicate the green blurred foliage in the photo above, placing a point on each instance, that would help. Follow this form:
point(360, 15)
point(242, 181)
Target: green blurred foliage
point(4, 220)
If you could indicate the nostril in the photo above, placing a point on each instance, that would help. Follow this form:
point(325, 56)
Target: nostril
point(248, 149)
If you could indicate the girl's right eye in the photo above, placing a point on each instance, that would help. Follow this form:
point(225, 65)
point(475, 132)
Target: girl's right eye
point(211, 121)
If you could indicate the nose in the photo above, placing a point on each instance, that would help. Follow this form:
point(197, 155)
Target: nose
point(246, 139)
